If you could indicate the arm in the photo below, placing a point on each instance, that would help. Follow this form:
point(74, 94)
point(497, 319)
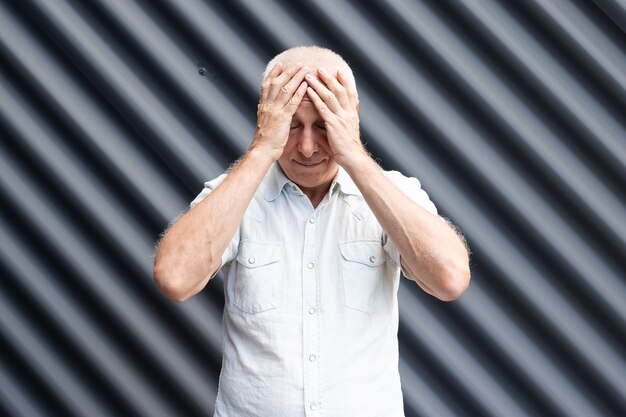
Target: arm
point(431, 252)
point(190, 252)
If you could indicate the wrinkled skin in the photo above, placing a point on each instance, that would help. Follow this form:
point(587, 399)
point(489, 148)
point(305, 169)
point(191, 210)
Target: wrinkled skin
point(310, 124)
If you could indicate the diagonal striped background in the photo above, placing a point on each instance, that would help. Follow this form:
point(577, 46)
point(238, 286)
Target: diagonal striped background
point(114, 112)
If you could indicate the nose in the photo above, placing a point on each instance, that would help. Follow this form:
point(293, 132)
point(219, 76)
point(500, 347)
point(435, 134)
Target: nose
point(307, 143)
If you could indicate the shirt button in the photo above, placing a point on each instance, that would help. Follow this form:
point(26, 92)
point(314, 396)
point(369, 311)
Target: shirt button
point(311, 220)
point(251, 260)
point(312, 358)
point(310, 265)
point(312, 310)
point(313, 406)
point(372, 259)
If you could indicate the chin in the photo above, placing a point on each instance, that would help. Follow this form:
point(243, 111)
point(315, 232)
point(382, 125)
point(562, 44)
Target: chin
point(312, 176)
point(308, 180)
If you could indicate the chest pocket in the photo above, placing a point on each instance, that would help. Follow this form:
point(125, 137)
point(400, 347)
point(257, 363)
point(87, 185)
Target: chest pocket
point(257, 281)
point(362, 273)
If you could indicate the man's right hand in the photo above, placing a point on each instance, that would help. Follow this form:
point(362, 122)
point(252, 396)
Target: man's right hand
point(281, 94)
point(191, 251)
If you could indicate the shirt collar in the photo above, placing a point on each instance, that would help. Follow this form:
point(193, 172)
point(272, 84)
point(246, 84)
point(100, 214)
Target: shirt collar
point(277, 181)
point(345, 183)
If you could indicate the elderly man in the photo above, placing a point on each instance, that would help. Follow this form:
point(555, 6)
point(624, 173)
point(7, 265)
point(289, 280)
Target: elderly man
point(311, 235)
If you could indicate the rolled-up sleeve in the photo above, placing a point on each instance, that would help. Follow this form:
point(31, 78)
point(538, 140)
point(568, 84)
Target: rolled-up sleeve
point(412, 188)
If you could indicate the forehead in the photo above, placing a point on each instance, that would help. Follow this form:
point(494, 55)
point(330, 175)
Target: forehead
point(307, 110)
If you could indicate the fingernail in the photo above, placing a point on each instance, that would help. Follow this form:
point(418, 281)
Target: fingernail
point(321, 70)
point(310, 77)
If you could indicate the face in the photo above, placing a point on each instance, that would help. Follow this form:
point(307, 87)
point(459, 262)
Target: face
point(307, 159)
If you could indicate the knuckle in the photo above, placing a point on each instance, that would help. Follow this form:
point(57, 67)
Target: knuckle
point(285, 90)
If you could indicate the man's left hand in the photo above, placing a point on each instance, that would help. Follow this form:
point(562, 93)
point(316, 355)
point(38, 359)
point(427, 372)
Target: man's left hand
point(337, 103)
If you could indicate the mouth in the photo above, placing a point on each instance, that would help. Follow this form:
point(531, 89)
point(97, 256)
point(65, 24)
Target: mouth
point(309, 164)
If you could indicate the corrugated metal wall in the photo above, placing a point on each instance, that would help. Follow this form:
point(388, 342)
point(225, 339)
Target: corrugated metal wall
point(114, 112)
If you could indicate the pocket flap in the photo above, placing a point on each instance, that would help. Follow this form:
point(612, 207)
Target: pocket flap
point(369, 253)
point(253, 254)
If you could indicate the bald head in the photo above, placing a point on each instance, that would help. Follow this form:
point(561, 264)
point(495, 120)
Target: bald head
point(312, 57)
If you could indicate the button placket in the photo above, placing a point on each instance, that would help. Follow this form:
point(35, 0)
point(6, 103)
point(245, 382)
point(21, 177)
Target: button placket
point(310, 320)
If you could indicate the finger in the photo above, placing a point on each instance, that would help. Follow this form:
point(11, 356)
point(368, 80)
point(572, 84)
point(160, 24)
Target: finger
point(327, 96)
point(350, 88)
point(274, 72)
point(288, 90)
point(336, 87)
point(319, 104)
point(279, 82)
point(296, 99)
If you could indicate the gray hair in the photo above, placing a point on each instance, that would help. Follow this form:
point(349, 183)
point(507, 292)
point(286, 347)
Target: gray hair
point(313, 57)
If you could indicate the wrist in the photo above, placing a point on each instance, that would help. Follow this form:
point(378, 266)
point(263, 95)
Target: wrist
point(354, 159)
point(364, 171)
point(264, 151)
point(262, 155)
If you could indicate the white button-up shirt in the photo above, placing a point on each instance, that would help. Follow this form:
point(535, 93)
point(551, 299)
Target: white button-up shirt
point(310, 320)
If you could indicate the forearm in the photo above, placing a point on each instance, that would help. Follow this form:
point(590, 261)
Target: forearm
point(432, 253)
point(190, 252)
